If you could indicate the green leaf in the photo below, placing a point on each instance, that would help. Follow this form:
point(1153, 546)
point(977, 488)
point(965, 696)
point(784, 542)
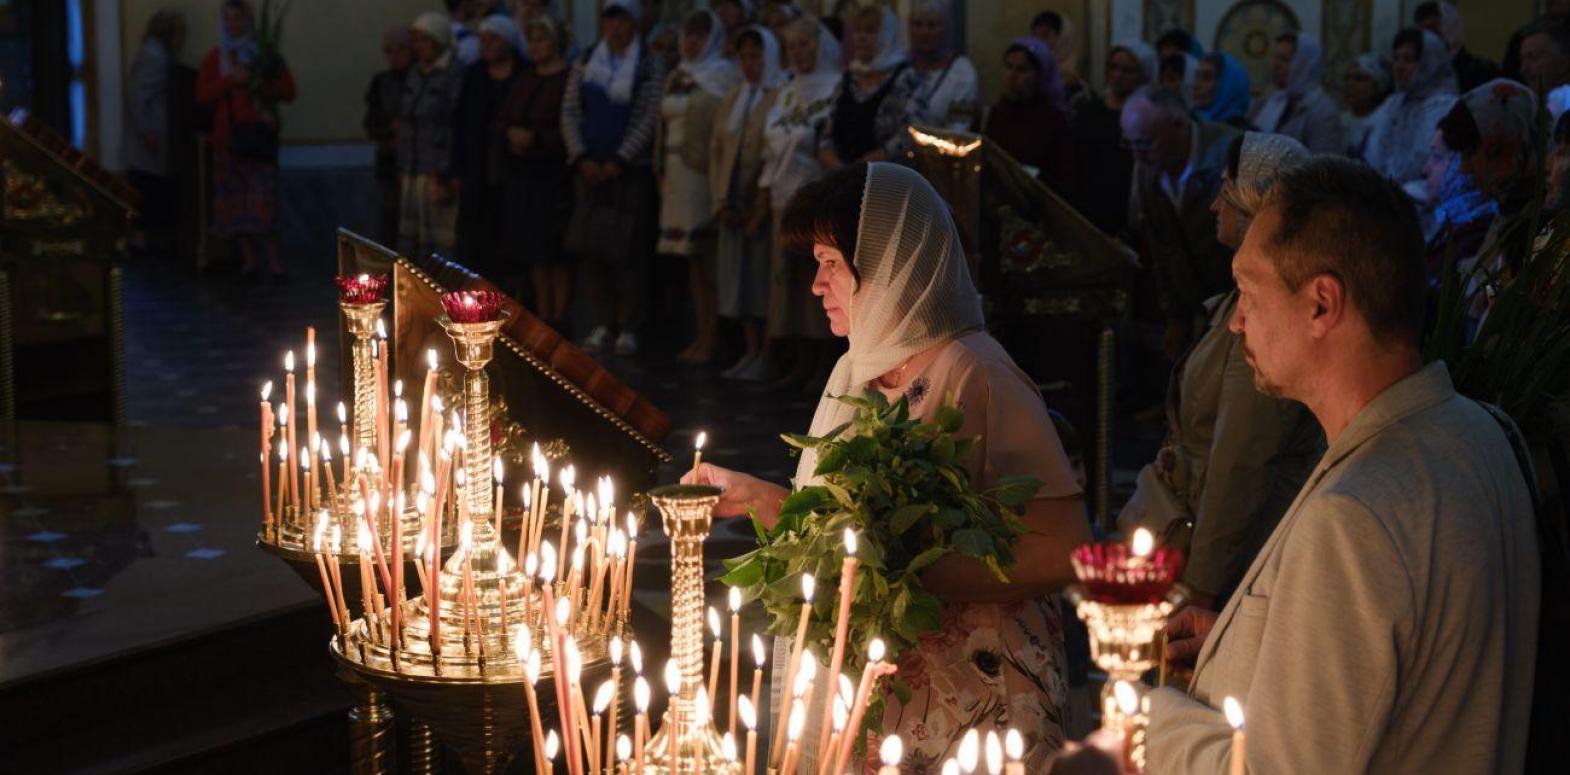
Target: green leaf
point(972, 542)
point(949, 418)
point(807, 499)
point(905, 516)
point(1014, 491)
point(744, 575)
point(926, 558)
point(949, 518)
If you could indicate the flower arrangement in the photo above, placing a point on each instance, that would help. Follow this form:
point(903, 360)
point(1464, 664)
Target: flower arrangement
point(903, 485)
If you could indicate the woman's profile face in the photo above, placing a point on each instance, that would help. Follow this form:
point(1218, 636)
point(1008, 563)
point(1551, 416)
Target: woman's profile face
point(835, 284)
point(1435, 166)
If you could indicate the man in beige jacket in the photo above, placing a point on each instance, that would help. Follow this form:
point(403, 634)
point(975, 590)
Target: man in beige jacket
point(1389, 624)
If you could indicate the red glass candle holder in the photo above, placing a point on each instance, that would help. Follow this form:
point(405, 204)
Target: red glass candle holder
point(472, 306)
point(1110, 572)
point(362, 288)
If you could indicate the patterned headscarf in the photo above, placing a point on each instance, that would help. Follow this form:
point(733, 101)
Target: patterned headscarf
point(1505, 112)
point(1263, 160)
point(1048, 82)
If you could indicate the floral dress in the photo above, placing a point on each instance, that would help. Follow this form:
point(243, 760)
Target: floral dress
point(990, 666)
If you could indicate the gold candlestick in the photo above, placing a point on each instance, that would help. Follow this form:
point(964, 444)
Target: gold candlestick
point(362, 326)
point(686, 742)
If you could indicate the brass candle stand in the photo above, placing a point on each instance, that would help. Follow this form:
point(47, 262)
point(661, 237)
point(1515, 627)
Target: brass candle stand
point(1124, 598)
point(688, 513)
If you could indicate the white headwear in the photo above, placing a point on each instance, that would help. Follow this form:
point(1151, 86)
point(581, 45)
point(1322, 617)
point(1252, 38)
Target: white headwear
point(824, 78)
point(891, 46)
point(505, 28)
point(1308, 66)
point(915, 290)
point(436, 25)
point(630, 7)
point(710, 69)
point(615, 78)
point(1142, 53)
point(773, 74)
point(1434, 75)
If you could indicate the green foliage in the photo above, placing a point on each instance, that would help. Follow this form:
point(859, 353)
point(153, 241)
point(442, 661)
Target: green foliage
point(268, 64)
point(904, 486)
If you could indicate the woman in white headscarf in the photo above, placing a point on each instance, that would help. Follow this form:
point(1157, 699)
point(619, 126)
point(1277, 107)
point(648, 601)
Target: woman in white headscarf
point(1425, 89)
point(692, 94)
point(950, 95)
point(1300, 108)
point(790, 161)
point(892, 277)
point(877, 98)
point(1106, 164)
point(741, 211)
point(1364, 85)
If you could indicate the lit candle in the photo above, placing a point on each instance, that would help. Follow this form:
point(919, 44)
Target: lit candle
point(426, 394)
point(288, 401)
point(950, 767)
point(728, 748)
point(874, 670)
point(714, 652)
point(327, 469)
point(673, 685)
point(994, 753)
point(1142, 543)
point(305, 465)
point(697, 454)
point(531, 675)
point(798, 721)
point(1234, 712)
point(1128, 708)
point(321, 567)
point(567, 476)
point(283, 464)
point(611, 728)
point(623, 752)
point(969, 751)
point(640, 723)
point(1014, 746)
point(891, 752)
point(758, 656)
point(840, 716)
point(632, 556)
point(310, 387)
point(847, 586)
point(267, 446)
point(343, 424)
point(496, 474)
point(749, 718)
point(808, 584)
point(602, 701)
point(551, 744)
point(735, 652)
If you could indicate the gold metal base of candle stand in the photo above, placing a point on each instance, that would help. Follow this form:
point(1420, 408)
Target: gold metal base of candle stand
point(698, 750)
point(1123, 636)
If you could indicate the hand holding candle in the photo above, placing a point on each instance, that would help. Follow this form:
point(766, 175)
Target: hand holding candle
point(697, 453)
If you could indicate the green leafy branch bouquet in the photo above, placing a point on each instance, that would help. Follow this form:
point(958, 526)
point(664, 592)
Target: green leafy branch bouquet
point(904, 486)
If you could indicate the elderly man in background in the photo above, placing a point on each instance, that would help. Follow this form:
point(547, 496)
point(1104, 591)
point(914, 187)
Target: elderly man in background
point(1177, 170)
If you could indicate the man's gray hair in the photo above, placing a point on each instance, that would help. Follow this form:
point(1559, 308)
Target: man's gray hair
point(1164, 101)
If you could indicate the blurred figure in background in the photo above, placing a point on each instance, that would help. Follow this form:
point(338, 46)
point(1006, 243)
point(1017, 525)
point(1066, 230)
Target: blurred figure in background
point(537, 195)
point(465, 43)
point(1061, 37)
point(1098, 138)
point(874, 104)
point(428, 211)
point(1442, 18)
point(741, 211)
point(479, 148)
point(681, 160)
point(1425, 88)
point(1364, 86)
point(1221, 91)
point(950, 93)
point(146, 139)
point(734, 15)
point(609, 118)
point(245, 137)
point(1030, 118)
point(383, 106)
point(1299, 107)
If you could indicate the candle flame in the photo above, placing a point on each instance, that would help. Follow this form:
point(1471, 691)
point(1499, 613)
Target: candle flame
point(951, 767)
point(757, 651)
point(496, 468)
point(419, 544)
point(531, 565)
point(876, 649)
point(321, 530)
point(1143, 542)
point(1128, 700)
point(401, 411)
point(398, 388)
point(994, 753)
point(267, 389)
point(635, 656)
point(531, 668)
point(283, 414)
point(703, 437)
point(343, 414)
point(403, 441)
point(623, 748)
point(551, 744)
point(749, 714)
point(567, 476)
point(430, 358)
point(603, 696)
point(364, 537)
point(701, 707)
point(574, 660)
point(1014, 744)
point(735, 599)
point(673, 677)
point(969, 750)
point(288, 361)
point(841, 714)
point(563, 611)
point(381, 329)
point(714, 622)
point(466, 536)
point(310, 354)
point(798, 721)
point(343, 447)
point(640, 694)
point(615, 650)
point(847, 689)
point(632, 526)
point(808, 584)
point(850, 542)
point(892, 751)
point(305, 457)
point(728, 747)
point(1234, 711)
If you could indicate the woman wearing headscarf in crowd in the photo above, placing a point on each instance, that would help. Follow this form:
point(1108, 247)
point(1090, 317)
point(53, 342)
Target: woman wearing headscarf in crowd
point(790, 161)
point(479, 148)
point(665, 41)
point(777, 17)
point(537, 192)
point(950, 94)
point(741, 211)
point(877, 97)
point(1030, 119)
point(1299, 107)
point(146, 134)
point(245, 137)
point(383, 106)
point(1460, 215)
point(734, 15)
point(681, 160)
point(1178, 41)
point(1364, 86)
point(1221, 91)
point(1234, 457)
point(1098, 138)
point(1176, 74)
point(1442, 18)
point(1066, 48)
point(1425, 89)
point(609, 118)
point(893, 280)
point(427, 211)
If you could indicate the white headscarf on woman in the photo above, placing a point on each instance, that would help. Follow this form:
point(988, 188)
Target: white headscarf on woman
point(1434, 75)
point(505, 28)
point(891, 46)
point(915, 291)
point(773, 74)
point(710, 69)
point(1142, 53)
point(825, 76)
point(1303, 75)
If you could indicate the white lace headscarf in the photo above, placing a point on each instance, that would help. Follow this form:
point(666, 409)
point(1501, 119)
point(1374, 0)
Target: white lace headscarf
point(1263, 159)
point(915, 291)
